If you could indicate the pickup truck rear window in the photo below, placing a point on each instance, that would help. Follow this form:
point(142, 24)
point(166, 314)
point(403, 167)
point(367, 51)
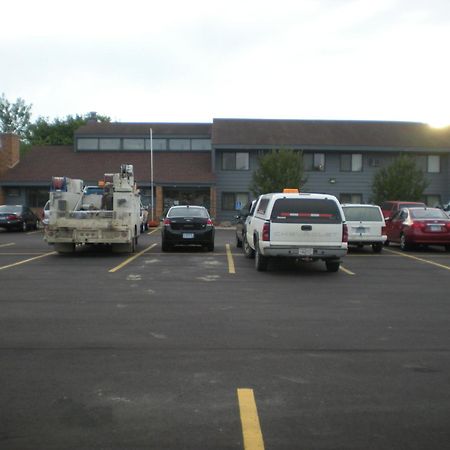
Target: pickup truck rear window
point(293, 210)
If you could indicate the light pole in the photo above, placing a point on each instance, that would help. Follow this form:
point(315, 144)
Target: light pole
point(151, 174)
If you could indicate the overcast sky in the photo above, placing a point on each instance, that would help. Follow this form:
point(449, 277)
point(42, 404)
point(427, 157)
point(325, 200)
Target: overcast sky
point(191, 61)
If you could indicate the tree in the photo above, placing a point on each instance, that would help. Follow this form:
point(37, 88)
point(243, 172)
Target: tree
point(14, 117)
point(277, 170)
point(59, 131)
point(402, 180)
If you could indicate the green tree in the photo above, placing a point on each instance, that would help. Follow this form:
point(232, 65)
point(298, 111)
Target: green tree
point(277, 170)
point(14, 117)
point(58, 131)
point(401, 180)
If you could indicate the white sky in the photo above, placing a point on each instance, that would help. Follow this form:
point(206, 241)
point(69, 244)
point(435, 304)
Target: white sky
point(191, 61)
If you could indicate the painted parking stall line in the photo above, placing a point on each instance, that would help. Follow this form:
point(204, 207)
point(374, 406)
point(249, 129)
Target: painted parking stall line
point(132, 258)
point(427, 261)
point(251, 428)
point(348, 272)
point(10, 244)
point(26, 261)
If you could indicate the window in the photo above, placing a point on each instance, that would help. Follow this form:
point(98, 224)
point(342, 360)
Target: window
point(133, 144)
point(179, 144)
point(201, 144)
point(432, 200)
point(294, 210)
point(87, 144)
point(351, 162)
point(158, 144)
point(351, 198)
point(433, 164)
point(314, 161)
point(235, 161)
point(234, 201)
point(36, 198)
point(262, 206)
point(109, 144)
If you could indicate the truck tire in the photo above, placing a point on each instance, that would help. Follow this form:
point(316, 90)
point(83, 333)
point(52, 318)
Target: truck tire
point(261, 261)
point(248, 251)
point(123, 248)
point(377, 247)
point(332, 265)
point(65, 248)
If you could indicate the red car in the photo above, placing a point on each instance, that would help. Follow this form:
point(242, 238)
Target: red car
point(414, 226)
point(389, 208)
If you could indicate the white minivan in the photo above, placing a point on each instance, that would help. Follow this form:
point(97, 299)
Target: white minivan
point(366, 225)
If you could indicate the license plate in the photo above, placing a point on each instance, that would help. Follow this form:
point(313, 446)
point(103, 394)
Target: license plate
point(188, 235)
point(305, 251)
point(435, 228)
point(360, 230)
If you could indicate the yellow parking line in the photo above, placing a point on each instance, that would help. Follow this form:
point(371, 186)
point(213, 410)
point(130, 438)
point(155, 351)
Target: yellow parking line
point(231, 268)
point(251, 429)
point(27, 260)
point(7, 245)
point(442, 266)
point(348, 272)
point(132, 258)
point(153, 231)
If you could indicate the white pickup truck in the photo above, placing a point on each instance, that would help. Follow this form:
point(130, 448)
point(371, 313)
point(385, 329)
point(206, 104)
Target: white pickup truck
point(309, 227)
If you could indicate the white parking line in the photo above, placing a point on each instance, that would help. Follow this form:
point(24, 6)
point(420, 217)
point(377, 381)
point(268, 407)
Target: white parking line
point(7, 245)
point(132, 258)
point(348, 272)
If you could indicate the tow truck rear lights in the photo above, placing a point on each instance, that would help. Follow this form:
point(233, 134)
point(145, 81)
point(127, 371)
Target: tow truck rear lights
point(266, 232)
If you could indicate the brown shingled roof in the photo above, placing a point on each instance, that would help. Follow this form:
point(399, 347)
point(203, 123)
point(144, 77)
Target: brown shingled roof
point(41, 163)
point(298, 133)
point(143, 129)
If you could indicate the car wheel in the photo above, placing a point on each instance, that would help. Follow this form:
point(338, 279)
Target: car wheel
point(261, 261)
point(404, 244)
point(238, 242)
point(332, 266)
point(248, 251)
point(386, 243)
point(210, 247)
point(165, 247)
point(65, 248)
point(377, 247)
point(24, 226)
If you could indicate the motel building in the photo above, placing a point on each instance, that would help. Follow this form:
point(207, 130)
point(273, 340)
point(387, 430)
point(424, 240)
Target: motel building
point(211, 164)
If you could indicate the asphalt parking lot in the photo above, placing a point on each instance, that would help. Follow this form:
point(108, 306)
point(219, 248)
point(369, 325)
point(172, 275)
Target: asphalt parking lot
point(192, 349)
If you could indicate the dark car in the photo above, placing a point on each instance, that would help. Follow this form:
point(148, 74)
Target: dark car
point(187, 225)
point(414, 226)
point(17, 217)
point(240, 222)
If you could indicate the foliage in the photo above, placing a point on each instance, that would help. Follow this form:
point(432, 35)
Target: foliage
point(14, 117)
point(402, 180)
point(277, 170)
point(59, 131)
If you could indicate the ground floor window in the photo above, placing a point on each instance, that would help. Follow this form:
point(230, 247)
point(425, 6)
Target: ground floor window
point(234, 201)
point(432, 200)
point(351, 198)
point(186, 196)
point(37, 198)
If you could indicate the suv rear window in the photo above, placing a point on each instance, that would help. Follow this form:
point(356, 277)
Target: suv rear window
point(362, 213)
point(299, 210)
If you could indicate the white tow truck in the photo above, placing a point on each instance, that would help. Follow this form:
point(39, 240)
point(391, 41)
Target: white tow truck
point(108, 215)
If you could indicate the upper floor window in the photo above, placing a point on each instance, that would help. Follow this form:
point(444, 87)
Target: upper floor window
point(201, 144)
point(133, 144)
point(351, 198)
point(351, 162)
point(314, 161)
point(109, 144)
point(235, 161)
point(87, 144)
point(433, 164)
point(179, 144)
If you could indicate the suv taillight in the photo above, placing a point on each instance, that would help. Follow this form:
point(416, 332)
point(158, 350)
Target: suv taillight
point(266, 231)
point(344, 233)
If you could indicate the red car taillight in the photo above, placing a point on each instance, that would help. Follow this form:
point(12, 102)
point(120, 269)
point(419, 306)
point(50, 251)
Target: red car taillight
point(418, 226)
point(266, 232)
point(447, 225)
point(344, 233)
point(209, 223)
point(13, 217)
point(167, 222)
